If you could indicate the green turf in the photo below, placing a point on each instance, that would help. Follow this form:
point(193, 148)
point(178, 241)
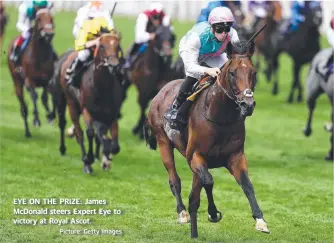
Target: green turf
point(293, 184)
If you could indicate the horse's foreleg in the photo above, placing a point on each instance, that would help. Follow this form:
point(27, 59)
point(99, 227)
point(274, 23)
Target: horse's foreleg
point(167, 156)
point(275, 74)
point(115, 148)
point(50, 116)
point(102, 134)
point(24, 109)
point(311, 102)
point(90, 135)
point(75, 115)
point(238, 168)
point(138, 129)
point(62, 122)
point(97, 148)
point(34, 97)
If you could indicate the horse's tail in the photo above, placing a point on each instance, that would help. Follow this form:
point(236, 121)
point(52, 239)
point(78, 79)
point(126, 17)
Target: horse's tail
point(149, 136)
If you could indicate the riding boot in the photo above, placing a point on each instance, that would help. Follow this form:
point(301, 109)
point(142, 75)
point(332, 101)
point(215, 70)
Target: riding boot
point(14, 56)
point(131, 58)
point(72, 70)
point(176, 115)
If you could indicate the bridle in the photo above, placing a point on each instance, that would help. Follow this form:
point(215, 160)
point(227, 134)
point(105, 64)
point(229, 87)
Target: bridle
point(247, 92)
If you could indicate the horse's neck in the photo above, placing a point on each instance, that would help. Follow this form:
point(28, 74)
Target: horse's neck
point(40, 49)
point(220, 108)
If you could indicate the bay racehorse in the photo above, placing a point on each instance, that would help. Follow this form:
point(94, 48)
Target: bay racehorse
point(99, 99)
point(3, 22)
point(36, 66)
point(151, 71)
point(214, 136)
point(301, 46)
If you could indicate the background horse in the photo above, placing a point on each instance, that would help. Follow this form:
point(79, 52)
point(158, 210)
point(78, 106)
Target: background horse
point(37, 66)
point(302, 46)
point(99, 100)
point(265, 41)
point(3, 21)
point(214, 136)
point(151, 71)
point(316, 85)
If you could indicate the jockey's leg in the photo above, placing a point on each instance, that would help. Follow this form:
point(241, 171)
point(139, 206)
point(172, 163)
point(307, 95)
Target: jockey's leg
point(16, 48)
point(329, 67)
point(76, 65)
point(132, 57)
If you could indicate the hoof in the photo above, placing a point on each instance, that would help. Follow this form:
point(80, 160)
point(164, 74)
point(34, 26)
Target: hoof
point(275, 90)
point(62, 150)
point(299, 99)
point(307, 132)
point(329, 157)
point(135, 130)
point(70, 132)
point(328, 126)
point(290, 100)
point(216, 217)
point(87, 169)
point(88, 159)
point(261, 225)
point(115, 148)
point(183, 217)
point(106, 163)
point(37, 123)
point(27, 134)
point(50, 117)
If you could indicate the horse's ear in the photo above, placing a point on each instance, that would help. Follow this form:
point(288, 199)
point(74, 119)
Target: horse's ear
point(229, 50)
point(251, 48)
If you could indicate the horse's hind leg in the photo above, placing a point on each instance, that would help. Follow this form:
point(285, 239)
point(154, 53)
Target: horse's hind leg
point(50, 115)
point(167, 156)
point(295, 83)
point(24, 109)
point(238, 168)
point(115, 148)
point(90, 135)
point(34, 97)
point(97, 148)
point(62, 123)
point(275, 66)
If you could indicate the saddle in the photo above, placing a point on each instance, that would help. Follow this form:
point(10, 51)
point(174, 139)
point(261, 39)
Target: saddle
point(199, 86)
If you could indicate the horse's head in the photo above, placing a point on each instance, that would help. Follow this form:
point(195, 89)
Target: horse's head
point(108, 52)
point(44, 25)
point(163, 42)
point(238, 77)
point(314, 16)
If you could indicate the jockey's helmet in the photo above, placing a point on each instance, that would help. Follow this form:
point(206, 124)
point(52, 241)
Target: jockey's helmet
point(95, 4)
point(40, 3)
point(156, 10)
point(221, 19)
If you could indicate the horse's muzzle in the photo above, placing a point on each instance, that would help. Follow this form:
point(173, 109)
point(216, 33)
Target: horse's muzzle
point(47, 36)
point(247, 106)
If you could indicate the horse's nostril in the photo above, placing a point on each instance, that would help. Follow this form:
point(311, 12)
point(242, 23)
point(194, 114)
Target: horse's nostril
point(243, 104)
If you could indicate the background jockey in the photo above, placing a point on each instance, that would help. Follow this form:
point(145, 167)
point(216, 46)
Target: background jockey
point(204, 15)
point(299, 10)
point(259, 10)
point(27, 13)
point(330, 38)
point(204, 43)
point(146, 24)
point(90, 21)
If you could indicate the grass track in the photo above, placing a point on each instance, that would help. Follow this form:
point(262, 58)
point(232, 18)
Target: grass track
point(293, 184)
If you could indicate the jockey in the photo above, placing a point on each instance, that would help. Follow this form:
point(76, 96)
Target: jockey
point(27, 13)
point(259, 9)
point(330, 61)
point(91, 20)
point(299, 9)
point(213, 4)
point(146, 23)
point(205, 42)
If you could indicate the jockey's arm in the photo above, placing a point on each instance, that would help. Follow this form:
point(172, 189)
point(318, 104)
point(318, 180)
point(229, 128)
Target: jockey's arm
point(109, 20)
point(330, 37)
point(141, 35)
point(189, 51)
point(81, 16)
point(80, 42)
point(234, 37)
point(23, 23)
